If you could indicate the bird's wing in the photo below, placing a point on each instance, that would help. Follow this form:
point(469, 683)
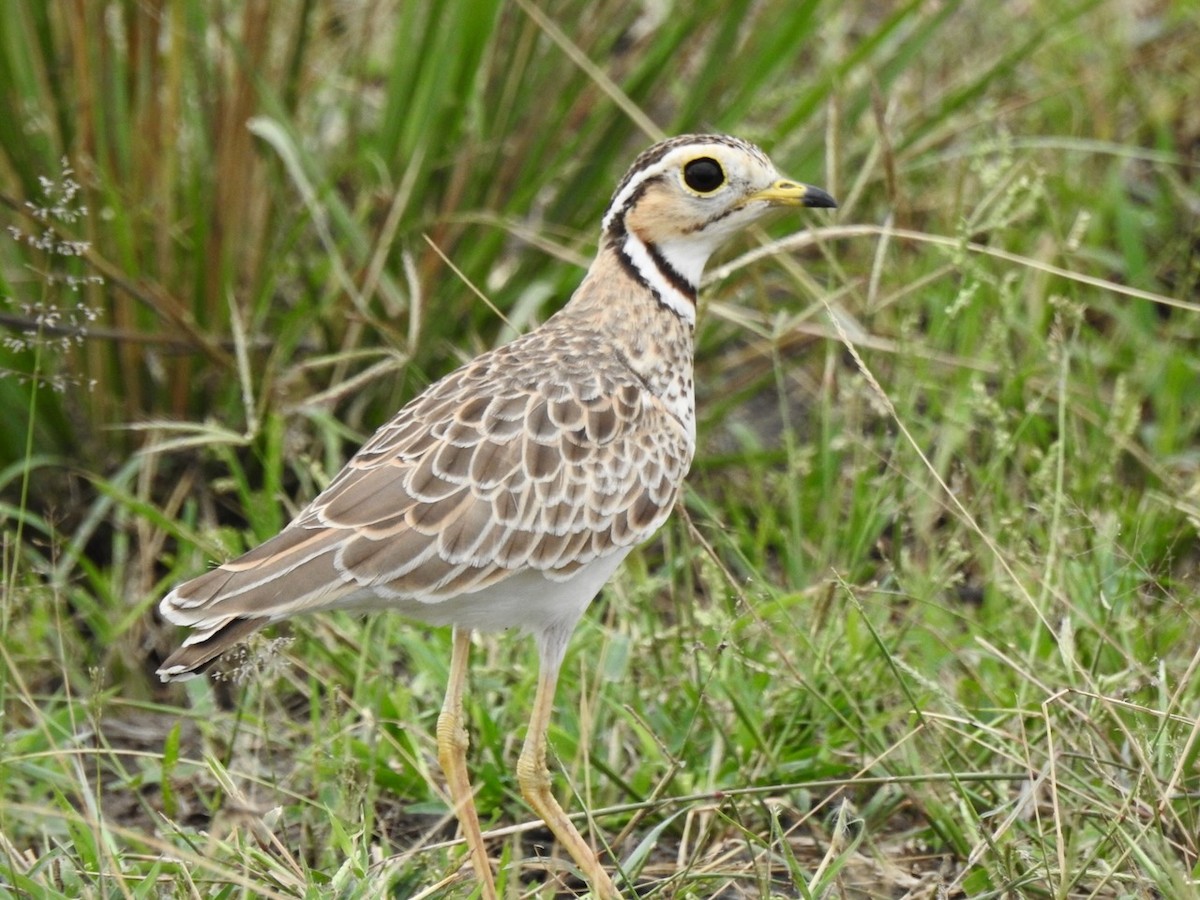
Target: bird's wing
point(494, 469)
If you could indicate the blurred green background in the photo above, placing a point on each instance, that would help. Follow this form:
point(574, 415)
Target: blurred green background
point(928, 618)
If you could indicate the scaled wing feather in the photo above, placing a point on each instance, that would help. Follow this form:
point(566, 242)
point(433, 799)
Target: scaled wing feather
point(460, 490)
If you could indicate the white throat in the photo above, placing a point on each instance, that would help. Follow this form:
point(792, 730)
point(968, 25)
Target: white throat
point(685, 264)
point(688, 256)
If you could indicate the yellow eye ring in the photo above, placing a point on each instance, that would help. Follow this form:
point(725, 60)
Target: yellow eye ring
point(703, 175)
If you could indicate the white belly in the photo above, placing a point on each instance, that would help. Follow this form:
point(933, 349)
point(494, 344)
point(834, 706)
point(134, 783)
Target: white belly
point(527, 600)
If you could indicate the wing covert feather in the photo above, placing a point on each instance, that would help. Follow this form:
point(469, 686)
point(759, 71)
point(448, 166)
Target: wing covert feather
point(547, 470)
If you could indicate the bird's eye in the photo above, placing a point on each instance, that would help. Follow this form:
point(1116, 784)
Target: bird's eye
point(703, 175)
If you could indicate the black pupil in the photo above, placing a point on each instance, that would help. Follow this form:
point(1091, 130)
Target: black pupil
point(703, 175)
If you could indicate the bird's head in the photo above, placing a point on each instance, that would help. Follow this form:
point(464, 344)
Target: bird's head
point(684, 197)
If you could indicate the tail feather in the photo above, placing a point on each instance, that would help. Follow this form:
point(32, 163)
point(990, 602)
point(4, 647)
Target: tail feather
point(292, 572)
point(195, 656)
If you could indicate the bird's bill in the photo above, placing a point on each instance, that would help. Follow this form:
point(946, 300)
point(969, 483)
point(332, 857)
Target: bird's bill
point(792, 193)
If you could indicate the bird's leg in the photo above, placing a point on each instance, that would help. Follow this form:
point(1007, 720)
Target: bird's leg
point(534, 779)
point(452, 744)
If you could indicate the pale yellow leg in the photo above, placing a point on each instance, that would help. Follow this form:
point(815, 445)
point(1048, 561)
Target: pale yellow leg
point(534, 778)
point(452, 742)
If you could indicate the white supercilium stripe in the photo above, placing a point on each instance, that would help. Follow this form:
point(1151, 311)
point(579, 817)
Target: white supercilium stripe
point(616, 206)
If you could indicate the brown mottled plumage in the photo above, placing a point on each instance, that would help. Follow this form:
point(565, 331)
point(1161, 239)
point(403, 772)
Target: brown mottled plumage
point(507, 493)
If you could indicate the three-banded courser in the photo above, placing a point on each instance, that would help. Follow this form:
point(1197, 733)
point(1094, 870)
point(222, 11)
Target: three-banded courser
point(507, 493)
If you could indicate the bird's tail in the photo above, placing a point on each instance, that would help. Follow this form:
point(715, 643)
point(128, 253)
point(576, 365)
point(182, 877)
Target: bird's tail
point(202, 648)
